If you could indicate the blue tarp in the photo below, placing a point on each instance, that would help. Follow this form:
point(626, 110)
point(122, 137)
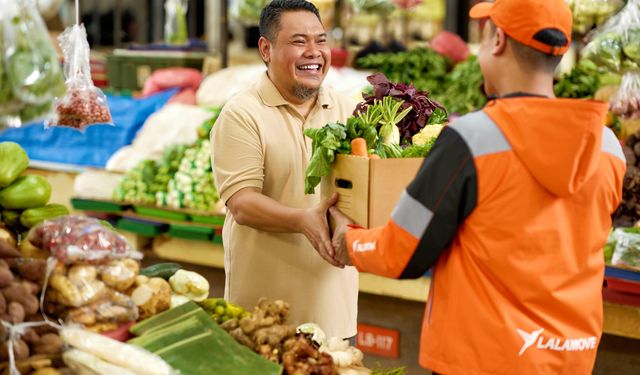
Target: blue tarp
point(94, 146)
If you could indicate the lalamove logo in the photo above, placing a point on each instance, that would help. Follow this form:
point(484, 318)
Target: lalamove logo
point(554, 343)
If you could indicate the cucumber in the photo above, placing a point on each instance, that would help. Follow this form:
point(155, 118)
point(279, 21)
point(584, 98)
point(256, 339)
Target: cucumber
point(162, 270)
point(33, 216)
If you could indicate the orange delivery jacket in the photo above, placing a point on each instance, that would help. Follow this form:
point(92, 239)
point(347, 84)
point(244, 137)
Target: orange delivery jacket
point(513, 206)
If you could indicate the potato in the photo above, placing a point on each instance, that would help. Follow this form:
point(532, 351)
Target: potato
point(4, 351)
point(16, 311)
point(31, 305)
point(8, 250)
point(6, 277)
point(31, 286)
point(3, 304)
point(84, 315)
point(153, 297)
point(20, 350)
point(16, 292)
point(7, 235)
point(4, 264)
point(49, 343)
point(82, 273)
point(120, 274)
point(30, 336)
point(32, 269)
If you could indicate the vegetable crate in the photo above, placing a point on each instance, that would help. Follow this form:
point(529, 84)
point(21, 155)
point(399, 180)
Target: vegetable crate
point(128, 70)
point(369, 188)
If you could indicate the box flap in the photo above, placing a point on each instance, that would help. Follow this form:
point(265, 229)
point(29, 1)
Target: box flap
point(388, 179)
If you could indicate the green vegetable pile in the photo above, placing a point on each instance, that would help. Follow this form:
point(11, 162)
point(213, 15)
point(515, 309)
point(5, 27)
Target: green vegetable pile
point(463, 91)
point(584, 80)
point(616, 47)
point(142, 183)
point(590, 13)
point(423, 67)
point(183, 178)
point(30, 73)
point(458, 88)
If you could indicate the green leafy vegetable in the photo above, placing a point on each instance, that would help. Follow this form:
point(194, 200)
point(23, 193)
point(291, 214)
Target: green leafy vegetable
point(422, 67)
point(418, 151)
point(327, 141)
point(463, 91)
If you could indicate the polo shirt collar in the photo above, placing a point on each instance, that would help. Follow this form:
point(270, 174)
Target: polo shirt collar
point(271, 96)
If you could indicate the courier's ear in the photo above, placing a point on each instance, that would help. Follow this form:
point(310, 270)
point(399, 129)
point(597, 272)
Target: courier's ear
point(499, 42)
point(264, 45)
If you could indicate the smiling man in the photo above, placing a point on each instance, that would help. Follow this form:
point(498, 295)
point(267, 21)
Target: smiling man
point(275, 237)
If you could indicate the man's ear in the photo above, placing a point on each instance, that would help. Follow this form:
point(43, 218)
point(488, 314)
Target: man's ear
point(264, 46)
point(499, 42)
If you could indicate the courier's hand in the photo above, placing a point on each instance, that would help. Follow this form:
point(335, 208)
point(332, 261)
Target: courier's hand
point(339, 241)
point(315, 226)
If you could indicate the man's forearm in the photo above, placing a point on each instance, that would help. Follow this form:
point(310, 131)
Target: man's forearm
point(251, 208)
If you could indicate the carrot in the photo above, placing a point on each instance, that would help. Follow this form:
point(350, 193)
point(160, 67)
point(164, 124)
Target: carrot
point(374, 156)
point(359, 147)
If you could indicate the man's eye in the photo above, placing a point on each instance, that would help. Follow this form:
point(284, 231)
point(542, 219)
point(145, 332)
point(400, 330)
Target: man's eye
point(298, 42)
point(322, 41)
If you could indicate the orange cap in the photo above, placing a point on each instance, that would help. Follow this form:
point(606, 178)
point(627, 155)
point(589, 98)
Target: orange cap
point(523, 19)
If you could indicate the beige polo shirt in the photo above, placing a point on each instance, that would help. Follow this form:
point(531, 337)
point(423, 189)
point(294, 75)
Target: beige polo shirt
point(258, 142)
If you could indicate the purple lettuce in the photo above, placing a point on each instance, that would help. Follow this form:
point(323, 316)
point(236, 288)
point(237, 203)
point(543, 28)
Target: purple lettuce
point(423, 106)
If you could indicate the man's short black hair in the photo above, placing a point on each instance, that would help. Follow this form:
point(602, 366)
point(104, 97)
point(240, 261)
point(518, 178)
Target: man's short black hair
point(270, 16)
point(531, 57)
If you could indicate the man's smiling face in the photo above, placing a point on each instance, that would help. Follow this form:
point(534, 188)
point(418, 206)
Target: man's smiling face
point(300, 57)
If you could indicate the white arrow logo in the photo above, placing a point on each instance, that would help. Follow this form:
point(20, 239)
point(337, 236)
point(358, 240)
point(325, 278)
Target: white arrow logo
point(528, 338)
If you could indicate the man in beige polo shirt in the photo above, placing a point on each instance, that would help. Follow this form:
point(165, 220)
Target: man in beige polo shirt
point(275, 237)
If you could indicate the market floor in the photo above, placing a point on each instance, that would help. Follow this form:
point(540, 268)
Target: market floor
point(616, 355)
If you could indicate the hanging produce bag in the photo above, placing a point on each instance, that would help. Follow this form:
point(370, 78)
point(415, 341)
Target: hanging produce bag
point(30, 73)
point(615, 46)
point(626, 103)
point(626, 253)
point(84, 104)
point(175, 25)
point(589, 13)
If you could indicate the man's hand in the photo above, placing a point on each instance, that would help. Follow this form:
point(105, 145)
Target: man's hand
point(315, 226)
point(339, 242)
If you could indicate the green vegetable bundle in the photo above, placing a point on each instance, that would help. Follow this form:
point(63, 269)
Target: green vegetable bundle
point(589, 13)
point(423, 67)
point(463, 88)
point(583, 81)
point(616, 45)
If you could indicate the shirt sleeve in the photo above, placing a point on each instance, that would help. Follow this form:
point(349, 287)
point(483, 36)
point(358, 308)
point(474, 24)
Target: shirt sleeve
point(426, 218)
point(237, 154)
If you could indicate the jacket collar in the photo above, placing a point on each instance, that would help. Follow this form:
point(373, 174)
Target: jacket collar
point(272, 97)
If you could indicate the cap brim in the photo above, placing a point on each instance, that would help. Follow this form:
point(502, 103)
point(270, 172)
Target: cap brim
point(481, 10)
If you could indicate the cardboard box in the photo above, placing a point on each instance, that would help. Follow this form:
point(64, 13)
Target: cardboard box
point(369, 188)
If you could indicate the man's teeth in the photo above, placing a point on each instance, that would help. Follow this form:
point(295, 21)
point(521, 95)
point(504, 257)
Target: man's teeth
point(309, 67)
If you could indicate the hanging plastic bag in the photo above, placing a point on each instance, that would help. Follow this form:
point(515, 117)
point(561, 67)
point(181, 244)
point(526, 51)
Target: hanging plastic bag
point(627, 251)
point(84, 104)
point(30, 72)
point(589, 13)
point(175, 26)
point(615, 46)
point(75, 238)
point(626, 103)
